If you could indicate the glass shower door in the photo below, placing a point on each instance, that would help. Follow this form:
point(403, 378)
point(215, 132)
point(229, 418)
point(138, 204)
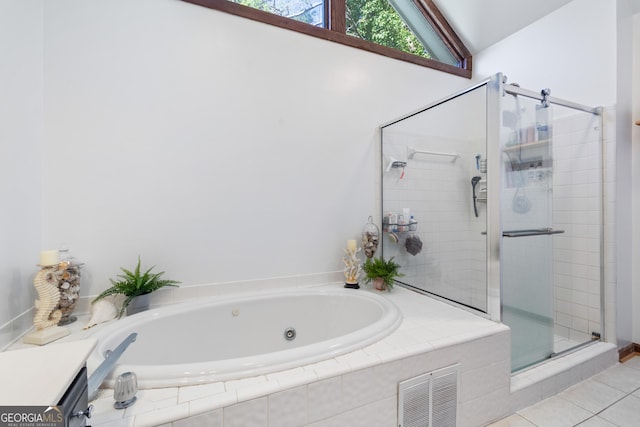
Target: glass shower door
point(527, 229)
point(434, 172)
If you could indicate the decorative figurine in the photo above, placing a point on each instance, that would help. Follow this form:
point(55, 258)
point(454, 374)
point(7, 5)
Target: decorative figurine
point(47, 315)
point(352, 265)
point(101, 311)
point(46, 284)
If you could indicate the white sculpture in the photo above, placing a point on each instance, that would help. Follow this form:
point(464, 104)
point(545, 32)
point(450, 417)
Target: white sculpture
point(47, 314)
point(352, 267)
point(46, 284)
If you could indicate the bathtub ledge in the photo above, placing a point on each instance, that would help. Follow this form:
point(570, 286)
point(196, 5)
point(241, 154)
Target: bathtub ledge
point(428, 325)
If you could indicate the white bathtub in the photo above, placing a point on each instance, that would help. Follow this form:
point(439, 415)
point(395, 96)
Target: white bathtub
point(226, 338)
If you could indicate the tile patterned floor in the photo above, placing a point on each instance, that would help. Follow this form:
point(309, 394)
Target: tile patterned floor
point(608, 399)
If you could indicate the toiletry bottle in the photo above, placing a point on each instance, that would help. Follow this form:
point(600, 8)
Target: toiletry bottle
point(543, 126)
point(413, 224)
point(406, 215)
point(393, 222)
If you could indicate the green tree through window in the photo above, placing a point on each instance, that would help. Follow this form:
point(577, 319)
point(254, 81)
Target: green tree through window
point(307, 11)
point(409, 30)
point(378, 22)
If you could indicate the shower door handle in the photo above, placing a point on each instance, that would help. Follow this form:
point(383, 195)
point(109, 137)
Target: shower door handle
point(531, 232)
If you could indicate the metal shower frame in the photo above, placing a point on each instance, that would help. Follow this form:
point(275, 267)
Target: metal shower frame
point(497, 87)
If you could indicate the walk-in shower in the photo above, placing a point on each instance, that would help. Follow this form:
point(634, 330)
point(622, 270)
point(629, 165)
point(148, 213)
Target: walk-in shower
point(502, 189)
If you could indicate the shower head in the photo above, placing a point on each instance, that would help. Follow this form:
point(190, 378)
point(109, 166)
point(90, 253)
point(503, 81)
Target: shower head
point(474, 181)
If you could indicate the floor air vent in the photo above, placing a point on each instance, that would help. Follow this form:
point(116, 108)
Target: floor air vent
point(429, 400)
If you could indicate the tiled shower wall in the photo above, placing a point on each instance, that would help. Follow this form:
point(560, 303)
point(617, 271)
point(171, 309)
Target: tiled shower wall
point(437, 190)
point(577, 210)
point(452, 261)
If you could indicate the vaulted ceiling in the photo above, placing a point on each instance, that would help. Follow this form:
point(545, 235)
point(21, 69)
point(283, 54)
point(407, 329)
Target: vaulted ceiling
point(481, 24)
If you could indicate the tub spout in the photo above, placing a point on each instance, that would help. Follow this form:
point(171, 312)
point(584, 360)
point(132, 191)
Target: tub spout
point(110, 359)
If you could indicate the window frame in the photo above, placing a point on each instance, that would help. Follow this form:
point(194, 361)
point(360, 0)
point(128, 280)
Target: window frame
point(336, 31)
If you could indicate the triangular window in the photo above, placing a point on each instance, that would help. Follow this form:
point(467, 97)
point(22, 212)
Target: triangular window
point(399, 24)
point(410, 30)
point(307, 11)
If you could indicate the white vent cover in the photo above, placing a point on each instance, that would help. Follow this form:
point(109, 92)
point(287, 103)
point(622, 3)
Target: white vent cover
point(429, 400)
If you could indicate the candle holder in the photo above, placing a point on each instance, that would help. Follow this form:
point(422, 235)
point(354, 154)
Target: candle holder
point(352, 267)
point(47, 314)
point(68, 275)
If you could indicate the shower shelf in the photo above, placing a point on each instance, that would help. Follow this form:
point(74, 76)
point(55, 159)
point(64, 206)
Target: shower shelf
point(388, 228)
point(398, 230)
point(526, 146)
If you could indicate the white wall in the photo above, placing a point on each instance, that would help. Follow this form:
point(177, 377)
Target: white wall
point(216, 147)
point(624, 205)
point(20, 159)
point(571, 51)
point(636, 176)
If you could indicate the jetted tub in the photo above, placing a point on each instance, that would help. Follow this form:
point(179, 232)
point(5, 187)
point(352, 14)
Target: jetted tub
point(225, 338)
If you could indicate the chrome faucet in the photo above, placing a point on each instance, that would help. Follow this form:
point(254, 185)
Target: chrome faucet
point(110, 358)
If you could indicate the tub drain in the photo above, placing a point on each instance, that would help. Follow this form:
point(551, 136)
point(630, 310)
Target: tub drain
point(289, 334)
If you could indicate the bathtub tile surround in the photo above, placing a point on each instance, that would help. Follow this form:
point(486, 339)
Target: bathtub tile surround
point(360, 388)
point(433, 335)
point(250, 413)
point(289, 407)
point(211, 419)
point(191, 393)
point(324, 399)
point(15, 328)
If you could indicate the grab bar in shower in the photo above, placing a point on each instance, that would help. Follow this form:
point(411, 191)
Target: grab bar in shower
point(531, 232)
point(412, 152)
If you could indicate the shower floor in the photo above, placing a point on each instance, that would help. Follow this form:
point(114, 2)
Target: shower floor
point(531, 338)
point(561, 343)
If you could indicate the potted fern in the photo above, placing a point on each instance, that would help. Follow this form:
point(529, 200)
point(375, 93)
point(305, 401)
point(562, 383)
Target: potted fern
point(136, 286)
point(381, 272)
